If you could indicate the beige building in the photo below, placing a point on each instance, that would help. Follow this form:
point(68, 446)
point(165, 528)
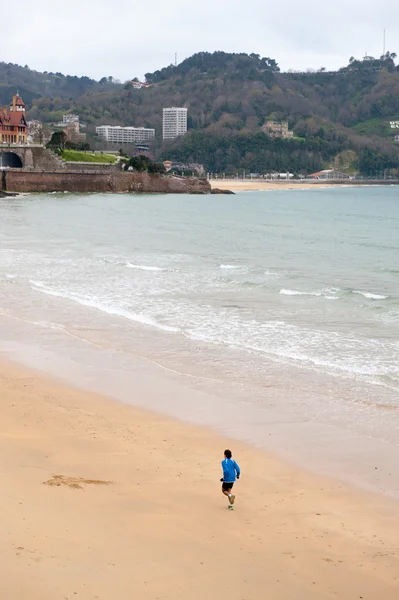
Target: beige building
point(277, 129)
point(73, 133)
point(70, 124)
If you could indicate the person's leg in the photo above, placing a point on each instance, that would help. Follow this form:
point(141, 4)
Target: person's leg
point(227, 492)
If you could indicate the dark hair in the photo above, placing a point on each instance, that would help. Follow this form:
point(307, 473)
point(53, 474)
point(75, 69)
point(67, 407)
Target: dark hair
point(227, 453)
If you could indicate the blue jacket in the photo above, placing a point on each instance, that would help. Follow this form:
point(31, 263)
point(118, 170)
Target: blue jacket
point(230, 469)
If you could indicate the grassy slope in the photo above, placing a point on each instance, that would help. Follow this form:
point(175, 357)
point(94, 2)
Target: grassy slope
point(379, 126)
point(75, 156)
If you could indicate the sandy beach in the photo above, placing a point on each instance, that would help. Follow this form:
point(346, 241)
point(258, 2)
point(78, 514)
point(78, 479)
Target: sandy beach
point(101, 501)
point(239, 185)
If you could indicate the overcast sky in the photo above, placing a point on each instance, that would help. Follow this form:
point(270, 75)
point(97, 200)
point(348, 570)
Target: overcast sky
point(127, 38)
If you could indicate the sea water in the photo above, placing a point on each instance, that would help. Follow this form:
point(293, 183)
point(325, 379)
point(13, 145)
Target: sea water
point(290, 298)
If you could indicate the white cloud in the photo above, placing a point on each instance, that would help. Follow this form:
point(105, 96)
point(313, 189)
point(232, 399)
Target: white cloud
point(125, 39)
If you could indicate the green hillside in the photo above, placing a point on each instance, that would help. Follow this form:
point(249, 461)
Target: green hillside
point(76, 156)
point(229, 97)
point(32, 84)
point(379, 126)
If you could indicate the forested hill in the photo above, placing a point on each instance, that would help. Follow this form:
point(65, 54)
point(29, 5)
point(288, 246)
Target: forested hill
point(234, 65)
point(345, 113)
point(33, 85)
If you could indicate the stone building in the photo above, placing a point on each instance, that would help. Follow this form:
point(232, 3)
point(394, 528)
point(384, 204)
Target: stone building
point(70, 125)
point(277, 129)
point(13, 128)
point(73, 133)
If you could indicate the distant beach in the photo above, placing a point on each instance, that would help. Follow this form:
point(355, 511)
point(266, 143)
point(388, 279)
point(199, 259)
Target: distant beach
point(248, 185)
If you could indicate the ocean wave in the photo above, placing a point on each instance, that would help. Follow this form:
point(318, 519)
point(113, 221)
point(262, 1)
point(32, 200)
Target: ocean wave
point(110, 310)
point(330, 352)
point(229, 267)
point(143, 267)
point(326, 293)
point(285, 292)
point(393, 271)
point(370, 296)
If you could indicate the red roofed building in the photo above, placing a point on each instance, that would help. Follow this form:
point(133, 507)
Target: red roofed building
point(13, 128)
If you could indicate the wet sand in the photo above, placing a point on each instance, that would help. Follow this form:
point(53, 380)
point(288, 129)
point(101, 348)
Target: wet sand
point(101, 501)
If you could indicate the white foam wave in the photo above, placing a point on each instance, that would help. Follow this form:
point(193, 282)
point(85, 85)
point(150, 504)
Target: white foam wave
point(229, 267)
point(370, 296)
point(110, 310)
point(143, 267)
point(285, 292)
point(327, 351)
point(327, 293)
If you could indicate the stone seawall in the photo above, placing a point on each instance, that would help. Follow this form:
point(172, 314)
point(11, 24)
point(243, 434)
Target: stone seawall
point(19, 180)
point(90, 167)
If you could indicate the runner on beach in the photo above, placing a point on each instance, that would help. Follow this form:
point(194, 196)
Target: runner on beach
point(231, 472)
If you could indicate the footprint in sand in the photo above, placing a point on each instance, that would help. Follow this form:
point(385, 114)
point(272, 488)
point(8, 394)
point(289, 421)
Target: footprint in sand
point(76, 483)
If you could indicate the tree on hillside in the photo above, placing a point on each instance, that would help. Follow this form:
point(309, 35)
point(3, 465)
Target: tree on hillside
point(139, 163)
point(238, 65)
point(58, 141)
point(143, 163)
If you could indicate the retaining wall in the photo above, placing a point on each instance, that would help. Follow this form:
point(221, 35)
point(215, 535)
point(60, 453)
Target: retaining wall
point(20, 180)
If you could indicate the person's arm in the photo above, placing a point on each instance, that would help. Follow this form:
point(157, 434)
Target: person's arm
point(238, 470)
point(222, 477)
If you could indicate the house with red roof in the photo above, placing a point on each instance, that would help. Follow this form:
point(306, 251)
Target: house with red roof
point(329, 174)
point(13, 128)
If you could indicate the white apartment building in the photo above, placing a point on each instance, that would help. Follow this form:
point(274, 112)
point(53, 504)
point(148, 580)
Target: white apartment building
point(70, 118)
point(174, 122)
point(124, 135)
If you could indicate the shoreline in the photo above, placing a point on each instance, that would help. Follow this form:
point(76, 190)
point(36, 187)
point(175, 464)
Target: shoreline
point(138, 509)
point(136, 377)
point(239, 185)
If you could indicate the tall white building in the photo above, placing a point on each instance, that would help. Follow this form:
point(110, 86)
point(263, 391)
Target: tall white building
point(125, 135)
point(174, 122)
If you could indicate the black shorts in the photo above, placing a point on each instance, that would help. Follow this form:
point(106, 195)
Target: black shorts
point(226, 485)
